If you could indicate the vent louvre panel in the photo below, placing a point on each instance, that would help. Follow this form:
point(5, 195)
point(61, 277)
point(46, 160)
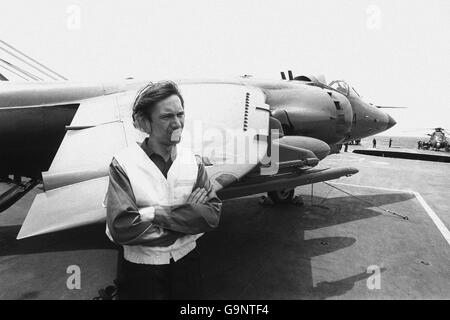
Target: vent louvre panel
point(247, 106)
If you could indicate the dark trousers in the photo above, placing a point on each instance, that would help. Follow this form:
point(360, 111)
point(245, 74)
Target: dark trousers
point(180, 280)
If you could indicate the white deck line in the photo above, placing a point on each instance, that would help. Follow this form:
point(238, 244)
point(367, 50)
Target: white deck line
point(437, 221)
point(433, 216)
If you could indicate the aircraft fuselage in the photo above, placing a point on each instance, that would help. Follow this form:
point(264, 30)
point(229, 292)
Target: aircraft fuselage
point(34, 116)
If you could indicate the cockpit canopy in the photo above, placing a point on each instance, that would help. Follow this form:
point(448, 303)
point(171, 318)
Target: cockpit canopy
point(343, 87)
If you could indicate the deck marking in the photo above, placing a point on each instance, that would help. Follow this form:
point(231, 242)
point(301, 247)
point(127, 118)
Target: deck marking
point(437, 221)
point(433, 216)
point(379, 162)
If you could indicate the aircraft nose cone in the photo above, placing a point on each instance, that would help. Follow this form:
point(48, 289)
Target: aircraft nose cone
point(391, 122)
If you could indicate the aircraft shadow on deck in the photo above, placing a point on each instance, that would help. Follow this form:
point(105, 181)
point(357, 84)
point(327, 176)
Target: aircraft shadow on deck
point(258, 252)
point(326, 289)
point(261, 253)
point(91, 237)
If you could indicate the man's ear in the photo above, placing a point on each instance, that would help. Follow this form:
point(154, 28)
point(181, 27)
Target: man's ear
point(143, 124)
point(147, 126)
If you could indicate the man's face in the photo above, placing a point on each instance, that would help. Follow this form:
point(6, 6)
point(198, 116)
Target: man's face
point(167, 121)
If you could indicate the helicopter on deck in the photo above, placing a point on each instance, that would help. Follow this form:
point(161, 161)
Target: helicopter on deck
point(437, 141)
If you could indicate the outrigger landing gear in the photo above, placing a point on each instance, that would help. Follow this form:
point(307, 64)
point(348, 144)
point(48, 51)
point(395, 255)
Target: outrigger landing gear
point(281, 196)
point(17, 191)
point(285, 196)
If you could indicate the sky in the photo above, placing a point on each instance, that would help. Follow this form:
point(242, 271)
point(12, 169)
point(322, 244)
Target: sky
point(394, 52)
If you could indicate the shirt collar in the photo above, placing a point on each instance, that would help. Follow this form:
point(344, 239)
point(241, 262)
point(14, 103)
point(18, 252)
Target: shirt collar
point(151, 152)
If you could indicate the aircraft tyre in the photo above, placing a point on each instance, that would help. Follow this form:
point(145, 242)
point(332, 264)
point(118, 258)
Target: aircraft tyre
point(281, 196)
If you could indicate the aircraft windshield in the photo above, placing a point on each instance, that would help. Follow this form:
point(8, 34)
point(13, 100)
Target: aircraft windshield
point(340, 86)
point(356, 92)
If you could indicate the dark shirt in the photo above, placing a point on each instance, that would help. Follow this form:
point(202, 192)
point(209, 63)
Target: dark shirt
point(170, 222)
point(157, 159)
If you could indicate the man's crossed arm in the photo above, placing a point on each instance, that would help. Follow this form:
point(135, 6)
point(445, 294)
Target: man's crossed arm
point(159, 225)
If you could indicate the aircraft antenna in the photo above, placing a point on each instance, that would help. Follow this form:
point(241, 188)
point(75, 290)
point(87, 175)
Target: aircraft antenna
point(291, 77)
point(13, 72)
point(27, 63)
point(21, 70)
point(39, 64)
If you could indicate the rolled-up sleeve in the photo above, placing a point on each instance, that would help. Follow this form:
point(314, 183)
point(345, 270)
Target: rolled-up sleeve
point(192, 218)
point(123, 218)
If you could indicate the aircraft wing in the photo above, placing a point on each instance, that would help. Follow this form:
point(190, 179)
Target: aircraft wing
point(220, 116)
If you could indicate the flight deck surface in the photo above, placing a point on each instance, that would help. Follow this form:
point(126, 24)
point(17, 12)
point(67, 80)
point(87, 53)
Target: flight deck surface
point(326, 249)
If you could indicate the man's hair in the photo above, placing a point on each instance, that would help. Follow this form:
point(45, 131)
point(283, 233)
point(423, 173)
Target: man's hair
point(149, 96)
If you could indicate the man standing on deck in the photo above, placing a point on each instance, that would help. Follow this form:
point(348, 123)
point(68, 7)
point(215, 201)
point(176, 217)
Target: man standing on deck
point(159, 202)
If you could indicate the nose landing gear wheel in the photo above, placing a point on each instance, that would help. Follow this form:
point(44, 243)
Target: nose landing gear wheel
point(282, 196)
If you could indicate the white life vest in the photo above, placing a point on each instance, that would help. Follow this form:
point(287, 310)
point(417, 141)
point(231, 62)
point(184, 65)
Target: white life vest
point(151, 188)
